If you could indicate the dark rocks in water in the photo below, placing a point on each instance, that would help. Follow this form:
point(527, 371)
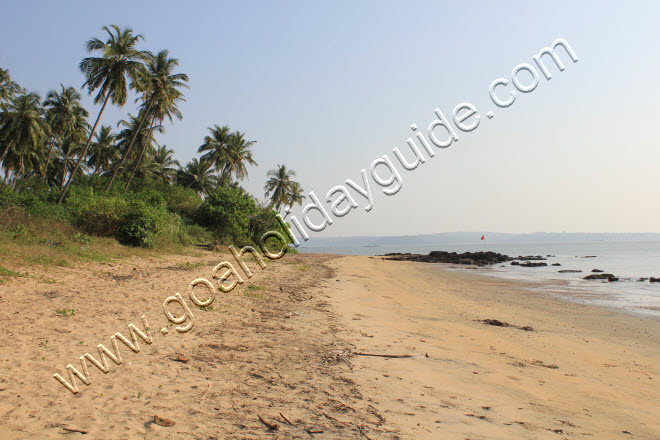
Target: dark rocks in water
point(467, 258)
point(596, 271)
point(530, 258)
point(569, 271)
point(644, 279)
point(530, 264)
point(555, 264)
point(654, 280)
point(515, 263)
point(602, 276)
point(589, 256)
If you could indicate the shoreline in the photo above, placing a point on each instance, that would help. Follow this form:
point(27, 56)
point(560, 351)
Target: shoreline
point(583, 370)
point(259, 351)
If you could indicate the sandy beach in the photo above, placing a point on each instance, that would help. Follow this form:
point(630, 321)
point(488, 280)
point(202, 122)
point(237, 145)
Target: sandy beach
point(258, 352)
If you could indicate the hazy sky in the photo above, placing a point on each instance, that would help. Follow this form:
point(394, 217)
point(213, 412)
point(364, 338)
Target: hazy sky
point(326, 88)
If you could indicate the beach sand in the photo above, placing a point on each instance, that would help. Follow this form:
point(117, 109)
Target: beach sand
point(584, 372)
point(258, 353)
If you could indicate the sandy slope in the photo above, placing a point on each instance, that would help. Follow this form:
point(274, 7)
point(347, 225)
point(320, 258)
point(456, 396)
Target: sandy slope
point(486, 382)
point(259, 352)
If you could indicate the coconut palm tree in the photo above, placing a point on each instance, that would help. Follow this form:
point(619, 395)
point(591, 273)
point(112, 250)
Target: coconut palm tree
point(103, 151)
point(294, 194)
point(8, 89)
point(281, 189)
point(110, 73)
point(215, 146)
point(23, 132)
point(63, 114)
point(136, 133)
point(161, 92)
point(162, 165)
point(198, 175)
point(238, 155)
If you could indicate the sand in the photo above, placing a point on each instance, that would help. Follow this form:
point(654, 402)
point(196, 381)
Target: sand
point(257, 352)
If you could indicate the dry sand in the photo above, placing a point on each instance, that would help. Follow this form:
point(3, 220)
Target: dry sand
point(258, 353)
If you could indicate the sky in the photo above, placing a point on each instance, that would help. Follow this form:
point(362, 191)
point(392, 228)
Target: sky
point(326, 88)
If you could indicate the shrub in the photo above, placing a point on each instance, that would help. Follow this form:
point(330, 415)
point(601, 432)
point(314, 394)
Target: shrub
point(141, 225)
point(227, 212)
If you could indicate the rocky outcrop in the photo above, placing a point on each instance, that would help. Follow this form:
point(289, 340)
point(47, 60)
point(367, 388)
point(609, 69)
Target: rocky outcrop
point(596, 271)
point(466, 258)
point(602, 276)
point(530, 264)
point(654, 280)
point(555, 264)
point(569, 271)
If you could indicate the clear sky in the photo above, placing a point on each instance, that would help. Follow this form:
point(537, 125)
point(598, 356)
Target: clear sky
point(326, 88)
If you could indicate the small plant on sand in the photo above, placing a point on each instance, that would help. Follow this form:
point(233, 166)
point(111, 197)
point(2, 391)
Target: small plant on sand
point(66, 312)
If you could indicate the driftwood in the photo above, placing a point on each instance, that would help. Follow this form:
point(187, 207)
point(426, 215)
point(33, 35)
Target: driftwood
point(66, 428)
point(286, 420)
point(269, 425)
point(392, 355)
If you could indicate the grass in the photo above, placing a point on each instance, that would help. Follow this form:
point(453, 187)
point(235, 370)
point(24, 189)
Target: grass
point(189, 265)
point(66, 312)
point(254, 291)
point(6, 274)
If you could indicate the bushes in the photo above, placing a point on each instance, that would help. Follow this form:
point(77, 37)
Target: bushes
point(154, 214)
point(227, 212)
point(140, 225)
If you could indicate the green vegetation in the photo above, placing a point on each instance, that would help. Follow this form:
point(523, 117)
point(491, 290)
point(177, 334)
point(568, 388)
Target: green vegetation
point(70, 189)
point(66, 312)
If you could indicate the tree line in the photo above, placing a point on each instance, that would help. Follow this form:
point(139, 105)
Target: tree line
point(54, 141)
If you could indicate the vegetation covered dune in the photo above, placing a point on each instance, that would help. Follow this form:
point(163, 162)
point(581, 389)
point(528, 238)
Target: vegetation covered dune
point(120, 182)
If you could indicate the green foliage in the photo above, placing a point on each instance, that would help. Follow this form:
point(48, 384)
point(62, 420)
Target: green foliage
point(141, 225)
point(227, 212)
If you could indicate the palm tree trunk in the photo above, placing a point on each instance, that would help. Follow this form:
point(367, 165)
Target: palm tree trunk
point(66, 161)
point(128, 150)
point(4, 153)
point(144, 147)
point(82, 156)
point(50, 151)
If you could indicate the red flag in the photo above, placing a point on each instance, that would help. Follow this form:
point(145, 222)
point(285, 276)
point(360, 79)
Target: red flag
point(482, 237)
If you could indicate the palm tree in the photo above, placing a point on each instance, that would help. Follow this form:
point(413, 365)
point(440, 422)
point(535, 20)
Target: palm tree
point(162, 165)
point(215, 146)
point(134, 132)
point(119, 62)
point(23, 132)
point(63, 114)
point(294, 195)
point(103, 151)
point(238, 154)
point(198, 175)
point(281, 189)
point(161, 91)
point(8, 89)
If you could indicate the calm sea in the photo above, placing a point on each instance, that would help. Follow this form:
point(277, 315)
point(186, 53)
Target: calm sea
point(629, 260)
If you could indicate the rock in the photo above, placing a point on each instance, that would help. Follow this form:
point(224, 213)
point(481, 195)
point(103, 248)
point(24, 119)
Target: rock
point(530, 264)
point(468, 258)
point(642, 279)
point(555, 264)
point(530, 258)
point(654, 280)
point(596, 271)
point(602, 276)
point(569, 271)
point(515, 263)
point(589, 256)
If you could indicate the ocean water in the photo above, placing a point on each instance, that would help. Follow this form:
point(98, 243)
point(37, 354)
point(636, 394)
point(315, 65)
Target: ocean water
point(628, 260)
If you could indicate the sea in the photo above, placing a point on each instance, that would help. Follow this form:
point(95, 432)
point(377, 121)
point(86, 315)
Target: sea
point(628, 260)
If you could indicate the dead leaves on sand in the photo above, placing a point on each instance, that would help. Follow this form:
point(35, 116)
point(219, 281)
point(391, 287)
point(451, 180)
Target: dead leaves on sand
point(498, 323)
